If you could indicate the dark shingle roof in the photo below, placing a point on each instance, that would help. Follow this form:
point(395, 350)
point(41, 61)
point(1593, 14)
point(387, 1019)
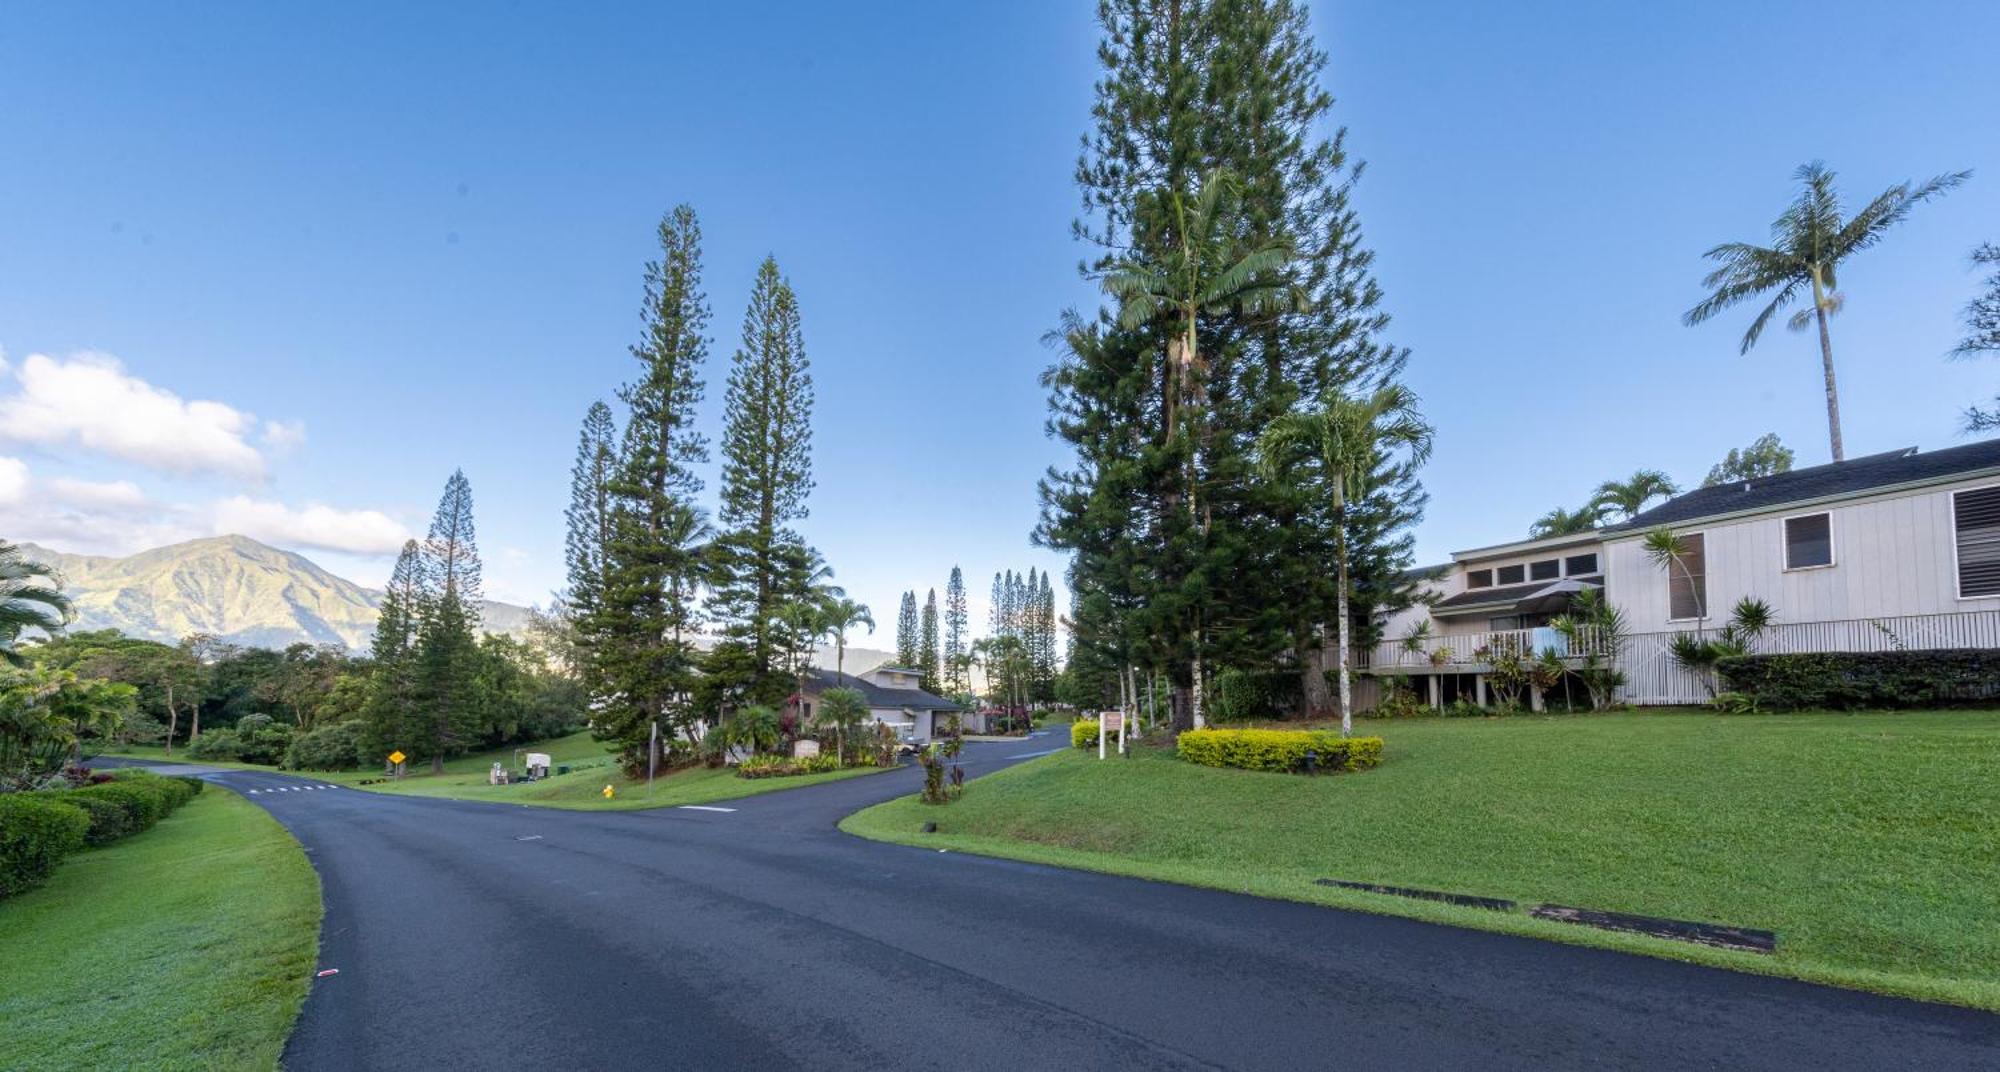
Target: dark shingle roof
point(1854, 476)
point(1513, 593)
point(876, 695)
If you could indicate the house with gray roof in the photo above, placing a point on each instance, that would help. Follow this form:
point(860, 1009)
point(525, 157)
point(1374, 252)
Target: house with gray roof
point(1893, 550)
point(893, 695)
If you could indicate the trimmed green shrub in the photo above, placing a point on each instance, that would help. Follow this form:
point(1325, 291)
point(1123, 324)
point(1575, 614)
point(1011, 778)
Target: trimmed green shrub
point(1083, 733)
point(217, 744)
point(1282, 751)
point(195, 785)
point(36, 832)
point(335, 747)
point(1246, 694)
point(109, 819)
point(1881, 679)
point(143, 804)
point(175, 791)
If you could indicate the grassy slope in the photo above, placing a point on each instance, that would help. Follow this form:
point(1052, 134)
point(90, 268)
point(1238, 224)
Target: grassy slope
point(1868, 842)
point(185, 947)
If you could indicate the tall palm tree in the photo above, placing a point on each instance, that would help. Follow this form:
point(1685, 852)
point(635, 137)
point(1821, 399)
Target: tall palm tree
point(842, 614)
point(1207, 269)
point(1561, 522)
point(1629, 496)
point(1809, 241)
point(1348, 441)
point(30, 598)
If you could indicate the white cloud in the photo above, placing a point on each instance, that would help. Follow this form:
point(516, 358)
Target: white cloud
point(13, 480)
point(317, 526)
point(284, 435)
point(90, 401)
point(101, 494)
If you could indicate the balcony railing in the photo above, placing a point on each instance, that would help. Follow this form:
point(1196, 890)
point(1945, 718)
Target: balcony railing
point(1467, 652)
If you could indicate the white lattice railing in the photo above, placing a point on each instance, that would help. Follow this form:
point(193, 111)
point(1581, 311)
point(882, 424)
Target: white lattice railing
point(1464, 652)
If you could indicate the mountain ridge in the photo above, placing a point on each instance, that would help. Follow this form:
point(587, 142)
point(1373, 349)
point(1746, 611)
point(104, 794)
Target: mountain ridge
point(237, 588)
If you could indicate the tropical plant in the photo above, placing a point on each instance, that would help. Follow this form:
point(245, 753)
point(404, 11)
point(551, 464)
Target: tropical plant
point(1666, 551)
point(1766, 456)
point(1982, 333)
point(754, 728)
point(1628, 497)
point(45, 715)
point(1347, 441)
point(1208, 269)
point(840, 615)
point(841, 710)
point(30, 598)
point(1594, 631)
point(1561, 522)
point(1809, 243)
point(1749, 621)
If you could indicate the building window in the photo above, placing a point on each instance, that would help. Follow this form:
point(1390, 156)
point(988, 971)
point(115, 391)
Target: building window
point(1687, 580)
point(1809, 541)
point(1513, 574)
point(1546, 570)
point(1976, 517)
point(1578, 565)
point(1479, 578)
point(1502, 625)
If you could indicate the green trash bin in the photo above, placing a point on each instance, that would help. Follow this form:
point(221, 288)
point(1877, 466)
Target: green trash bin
point(562, 769)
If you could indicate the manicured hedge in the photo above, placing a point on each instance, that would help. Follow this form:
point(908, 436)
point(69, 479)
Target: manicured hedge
point(36, 832)
point(1279, 750)
point(786, 767)
point(1244, 694)
point(1865, 678)
point(109, 819)
point(1083, 733)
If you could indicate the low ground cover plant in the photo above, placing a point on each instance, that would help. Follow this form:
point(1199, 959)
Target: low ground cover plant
point(768, 766)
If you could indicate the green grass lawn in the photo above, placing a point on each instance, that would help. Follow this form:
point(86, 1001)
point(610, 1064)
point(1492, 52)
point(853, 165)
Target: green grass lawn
point(189, 946)
point(1870, 843)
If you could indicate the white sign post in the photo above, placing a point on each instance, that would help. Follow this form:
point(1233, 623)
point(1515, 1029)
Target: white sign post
point(1108, 723)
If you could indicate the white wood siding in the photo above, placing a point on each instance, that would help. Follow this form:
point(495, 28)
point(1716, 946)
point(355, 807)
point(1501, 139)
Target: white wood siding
point(1892, 555)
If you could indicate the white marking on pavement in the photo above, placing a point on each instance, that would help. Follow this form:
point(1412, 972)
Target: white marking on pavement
point(702, 807)
point(529, 837)
point(1031, 755)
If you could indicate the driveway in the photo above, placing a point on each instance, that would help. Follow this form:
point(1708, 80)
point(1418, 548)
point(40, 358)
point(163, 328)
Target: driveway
point(482, 935)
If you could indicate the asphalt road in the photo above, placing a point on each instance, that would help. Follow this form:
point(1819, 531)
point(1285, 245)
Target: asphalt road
point(483, 936)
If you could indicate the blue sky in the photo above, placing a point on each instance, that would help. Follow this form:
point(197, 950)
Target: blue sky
point(394, 242)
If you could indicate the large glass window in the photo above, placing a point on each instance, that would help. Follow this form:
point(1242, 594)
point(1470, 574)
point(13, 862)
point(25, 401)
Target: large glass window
point(1513, 574)
point(1479, 578)
point(1547, 569)
point(1578, 565)
point(1687, 580)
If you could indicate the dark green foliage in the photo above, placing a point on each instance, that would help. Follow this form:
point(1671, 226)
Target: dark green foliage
point(957, 636)
point(927, 645)
point(109, 819)
point(1982, 333)
point(909, 632)
point(142, 804)
point(643, 658)
point(335, 747)
point(1877, 679)
point(586, 546)
point(1764, 457)
point(758, 561)
point(446, 658)
point(1246, 694)
point(36, 832)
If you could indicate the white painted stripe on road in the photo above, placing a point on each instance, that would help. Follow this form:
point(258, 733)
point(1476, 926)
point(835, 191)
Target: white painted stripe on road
point(1031, 755)
point(702, 807)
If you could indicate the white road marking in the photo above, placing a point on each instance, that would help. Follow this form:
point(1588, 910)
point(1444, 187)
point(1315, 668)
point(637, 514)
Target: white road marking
point(1031, 755)
point(702, 807)
point(529, 837)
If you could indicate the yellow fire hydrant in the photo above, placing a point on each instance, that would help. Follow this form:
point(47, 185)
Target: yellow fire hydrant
point(609, 792)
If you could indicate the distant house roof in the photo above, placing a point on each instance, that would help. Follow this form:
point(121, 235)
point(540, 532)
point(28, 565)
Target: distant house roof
point(1538, 597)
point(1855, 476)
point(818, 681)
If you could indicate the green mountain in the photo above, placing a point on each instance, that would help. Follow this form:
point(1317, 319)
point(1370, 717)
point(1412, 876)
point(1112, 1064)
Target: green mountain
point(232, 586)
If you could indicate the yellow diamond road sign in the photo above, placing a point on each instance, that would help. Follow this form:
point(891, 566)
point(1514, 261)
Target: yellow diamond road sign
point(397, 757)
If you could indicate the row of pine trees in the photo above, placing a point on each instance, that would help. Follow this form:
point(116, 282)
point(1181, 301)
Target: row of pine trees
point(1018, 652)
point(647, 566)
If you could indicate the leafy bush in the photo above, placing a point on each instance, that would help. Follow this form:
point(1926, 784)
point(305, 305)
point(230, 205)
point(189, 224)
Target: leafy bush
point(786, 766)
point(109, 819)
point(335, 747)
point(1734, 703)
point(36, 832)
point(1885, 679)
point(142, 805)
point(175, 791)
point(1246, 694)
point(217, 744)
point(254, 739)
point(1279, 750)
point(195, 785)
point(1083, 733)
point(1399, 699)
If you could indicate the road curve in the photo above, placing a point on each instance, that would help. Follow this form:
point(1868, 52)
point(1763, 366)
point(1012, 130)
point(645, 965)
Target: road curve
point(478, 935)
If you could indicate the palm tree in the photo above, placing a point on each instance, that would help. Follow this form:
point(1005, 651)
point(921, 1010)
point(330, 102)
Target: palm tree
point(1809, 240)
point(1349, 441)
point(1664, 549)
point(1629, 496)
point(30, 598)
point(842, 614)
point(1561, 522)
point(1207, 269)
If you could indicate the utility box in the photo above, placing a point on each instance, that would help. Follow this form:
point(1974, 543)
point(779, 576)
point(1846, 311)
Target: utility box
point(803, 749)
point(538, 764)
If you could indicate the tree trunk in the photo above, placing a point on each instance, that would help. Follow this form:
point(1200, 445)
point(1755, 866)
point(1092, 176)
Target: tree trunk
point(1346, 682)
point(1313, 694)
point(1826, 366)
point(173, 720)
point(437, 762)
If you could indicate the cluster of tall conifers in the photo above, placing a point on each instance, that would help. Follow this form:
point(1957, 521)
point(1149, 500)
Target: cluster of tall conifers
point(427, 698)
point(1237, 290)
point(1017, 654)
point(646, 566)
